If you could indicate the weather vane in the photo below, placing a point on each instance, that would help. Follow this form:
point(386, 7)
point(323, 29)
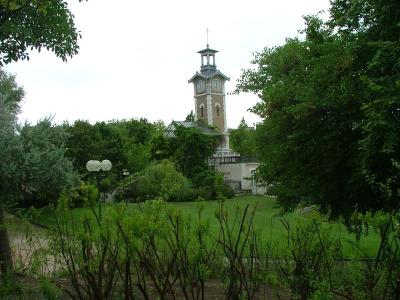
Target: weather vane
point(207, 36)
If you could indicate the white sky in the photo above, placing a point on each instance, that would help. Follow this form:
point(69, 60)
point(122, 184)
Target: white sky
point(136, 57)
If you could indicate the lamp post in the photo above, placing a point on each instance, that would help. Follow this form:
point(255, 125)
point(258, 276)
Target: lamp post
point(96, 166)
point(125, 172)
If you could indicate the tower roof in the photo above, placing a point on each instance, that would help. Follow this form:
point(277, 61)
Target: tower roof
point(207, 50)
point(208, 68)
point(206, 74)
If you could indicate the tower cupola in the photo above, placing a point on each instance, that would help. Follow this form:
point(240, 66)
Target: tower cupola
point(207, 59)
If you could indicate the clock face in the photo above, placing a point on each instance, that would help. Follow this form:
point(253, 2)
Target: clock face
point(200, 86)
point(216, 85)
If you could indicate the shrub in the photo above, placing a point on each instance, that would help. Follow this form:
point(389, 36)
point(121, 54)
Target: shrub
point(312, 253)
point(211, 185)
point(162, 180)
point(84, 193)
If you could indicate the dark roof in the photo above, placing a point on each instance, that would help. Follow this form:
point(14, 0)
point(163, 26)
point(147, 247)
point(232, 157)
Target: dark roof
point(207, 50)
point(206, 74)
point(170, 130)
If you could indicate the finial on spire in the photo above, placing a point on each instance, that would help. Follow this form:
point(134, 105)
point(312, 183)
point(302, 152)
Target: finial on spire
point(207, 37)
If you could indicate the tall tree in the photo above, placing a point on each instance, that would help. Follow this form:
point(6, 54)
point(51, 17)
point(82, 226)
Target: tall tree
point(44, 169)
point(190, 117)
point(330, 107)
point(11, 96)
point(192, 150)
point(24, 25)
point(242, 139)
point(36, 24)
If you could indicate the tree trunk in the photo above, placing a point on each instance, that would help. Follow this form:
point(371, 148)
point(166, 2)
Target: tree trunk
point(6, 264)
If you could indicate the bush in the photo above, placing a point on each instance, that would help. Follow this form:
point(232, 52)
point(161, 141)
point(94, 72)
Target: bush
point(84, 193)
point(211, 185)
point(312, 252)
point(228, 191)
point(162, 180)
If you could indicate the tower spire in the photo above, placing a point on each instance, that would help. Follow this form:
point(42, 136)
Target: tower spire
point(207, 37)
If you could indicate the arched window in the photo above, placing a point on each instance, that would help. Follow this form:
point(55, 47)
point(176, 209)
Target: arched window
point(202, 111)
point(218, 109)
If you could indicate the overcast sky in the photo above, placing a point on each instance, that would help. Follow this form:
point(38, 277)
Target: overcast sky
point(136, 57)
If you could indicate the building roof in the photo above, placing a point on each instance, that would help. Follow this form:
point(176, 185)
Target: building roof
point(206, 74)
point(170, 130)
point(207, 50)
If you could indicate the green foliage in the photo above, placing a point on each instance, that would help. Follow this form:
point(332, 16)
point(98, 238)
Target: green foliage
point(34, 169)
point(311, 254)
point(330, 107)
point(242, 140)
point(211, 184)
point(192, 150)
point(377, 277)
point(162, 148)
point(90, 248)
point(36, 24)
point(190, 117)
point(125, 143)
point(84, 194)
point(153, 244)
point(10, 289)
point(162, 180)
point(45, 171)
point(11, 96)
point(49, 290)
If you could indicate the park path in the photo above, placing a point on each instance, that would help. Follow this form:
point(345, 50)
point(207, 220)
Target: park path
point(30, 246)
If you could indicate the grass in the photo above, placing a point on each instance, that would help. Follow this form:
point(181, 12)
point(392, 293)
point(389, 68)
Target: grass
point(267, 220)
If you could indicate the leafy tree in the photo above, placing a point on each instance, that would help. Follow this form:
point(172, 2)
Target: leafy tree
point(36, 24)
point(126, 143)
point(162, 147)
point(242, 139)
point(11, 96)
point(192, 150)
point(45, 170)
point(190, 117)
point(33, 169)
point(26, 24)
point(82, 143)
point(330, 106)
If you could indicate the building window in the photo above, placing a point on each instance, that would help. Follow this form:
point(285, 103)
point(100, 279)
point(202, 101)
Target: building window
point(218, 109)
point(202, 111)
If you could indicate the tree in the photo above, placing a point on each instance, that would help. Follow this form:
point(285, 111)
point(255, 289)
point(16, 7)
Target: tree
point(126, 143)
point(11, 96)
point(242, 139)
point(36, 24)
point(374, 25)
point(330, 107)
point(44, 169)
point(162, 148)
point(190, 117)
point(192, 150)
point(28, 24)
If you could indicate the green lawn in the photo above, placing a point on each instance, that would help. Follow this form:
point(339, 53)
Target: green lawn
point(267, 221)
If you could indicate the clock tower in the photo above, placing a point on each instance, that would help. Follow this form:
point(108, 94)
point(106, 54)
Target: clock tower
point(209, 94)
